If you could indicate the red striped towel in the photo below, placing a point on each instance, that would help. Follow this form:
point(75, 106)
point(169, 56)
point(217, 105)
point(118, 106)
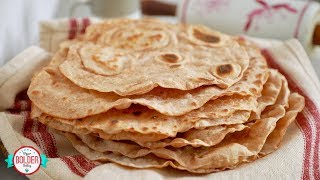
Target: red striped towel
point(297, 158)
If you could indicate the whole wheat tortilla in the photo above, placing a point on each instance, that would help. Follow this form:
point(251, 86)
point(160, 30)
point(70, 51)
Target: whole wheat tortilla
point(186, 138)
point(284, 94)
point(274, 90)
point(49, 88)
point(162, 131)
point(137, 118)
point(102, 145)
point(295, 105)
point(224, 110)
point(194, 138)
point(183, 67)
point(134, 134)
point(235, 149)
point(145, 35)
point(139, 55)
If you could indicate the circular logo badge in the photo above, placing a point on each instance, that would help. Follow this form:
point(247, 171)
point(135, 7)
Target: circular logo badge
point(26, 160)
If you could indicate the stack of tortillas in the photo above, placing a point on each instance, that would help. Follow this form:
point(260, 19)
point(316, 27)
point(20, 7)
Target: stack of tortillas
point(144, 93)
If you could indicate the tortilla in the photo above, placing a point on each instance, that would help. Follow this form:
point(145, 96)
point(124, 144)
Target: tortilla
point(237, 148)
point(135, 57)
point(140, 120)
point(295, 105)
point(49, 88)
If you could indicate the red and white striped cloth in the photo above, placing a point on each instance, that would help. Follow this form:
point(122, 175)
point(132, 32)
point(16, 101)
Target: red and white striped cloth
point(297, 157)
point(280, 19)
point(53, 32)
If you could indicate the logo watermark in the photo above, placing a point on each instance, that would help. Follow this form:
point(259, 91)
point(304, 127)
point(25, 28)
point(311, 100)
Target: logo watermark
point(26, 160)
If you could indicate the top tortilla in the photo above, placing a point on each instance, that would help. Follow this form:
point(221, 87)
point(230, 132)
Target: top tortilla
point(56, 96)
point(136, 56)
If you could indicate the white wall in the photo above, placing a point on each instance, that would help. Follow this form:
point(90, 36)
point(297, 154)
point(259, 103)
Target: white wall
point(19, 22)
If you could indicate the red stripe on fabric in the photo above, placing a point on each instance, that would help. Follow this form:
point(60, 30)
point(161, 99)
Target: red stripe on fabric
point(317, 152)
point(27, 127)
point(71, 166)
point(46, 141)
point(78, 166)
point(51, 151)
point(22, 95)
point(73, 25)
point(296, 30)
point(304, 126)
point(20, 105)
point(17, 106)
point(312, 108)
point(28, 105)
point(49, 141)
point(184, 11)
point(85, 24)
point(85, 163)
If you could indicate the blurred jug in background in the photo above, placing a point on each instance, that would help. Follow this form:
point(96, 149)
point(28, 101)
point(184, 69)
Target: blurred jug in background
point(110, 8)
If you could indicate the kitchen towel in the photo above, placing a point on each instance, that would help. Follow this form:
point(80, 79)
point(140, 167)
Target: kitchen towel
point(279, 19)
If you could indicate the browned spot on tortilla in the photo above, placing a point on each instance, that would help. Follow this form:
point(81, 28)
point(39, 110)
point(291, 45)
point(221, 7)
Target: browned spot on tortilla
point(193, 104)
point(257, 82)
point(114, 121)
point(35, 92)
point(258, 76)
point(253, 90)
point(205, 37)
point(169, 58)
point(156, 37)
point(95, 134)
point(51, 72)
point(134, 37)
point(55, 83)
point(224, 70)
point(137, 113)
point(144, 128)
point(175, 66)
point(106, 63)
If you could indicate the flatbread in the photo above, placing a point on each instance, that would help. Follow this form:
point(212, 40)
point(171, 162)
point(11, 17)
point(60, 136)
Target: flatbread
point(164, 126)
point(140, 134)
point(139, 119)
point(143, 120)
point(195, 138)
point(139, 55)
point(274, 90)
point(295, 105)
point(49, 88)
point(235, 149)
